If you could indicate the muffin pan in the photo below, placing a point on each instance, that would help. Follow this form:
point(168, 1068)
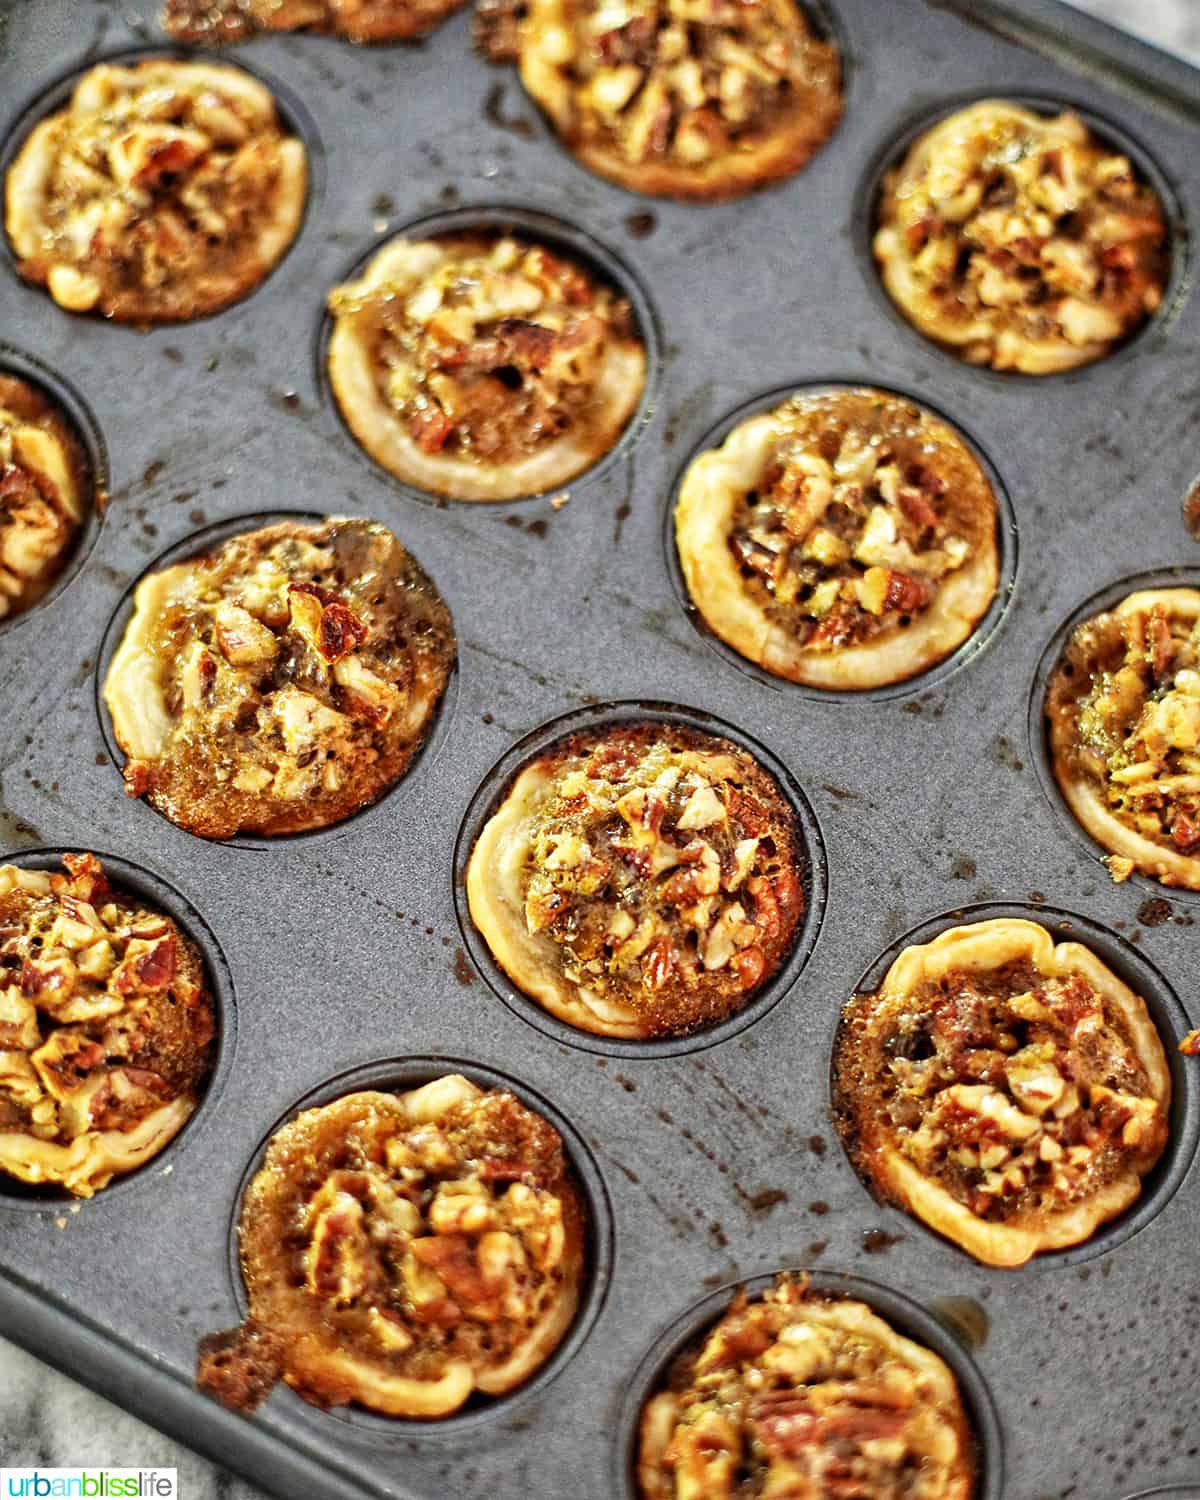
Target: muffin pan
point(717, 1162)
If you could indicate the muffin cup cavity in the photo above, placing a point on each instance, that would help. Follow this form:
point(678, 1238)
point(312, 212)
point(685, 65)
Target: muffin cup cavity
point(156, 892)
point(813, 874)
point(537, 226)
point(903, 135)
point(293, 114)
point(906, 1316)
point(1038, 735)
point(83, 424)
point(1170, 1019)
point(194, 545)
point(398, 1075)
point(1006, 547)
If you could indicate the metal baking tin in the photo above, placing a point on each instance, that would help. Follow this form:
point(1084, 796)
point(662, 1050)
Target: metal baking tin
point(712, 1165)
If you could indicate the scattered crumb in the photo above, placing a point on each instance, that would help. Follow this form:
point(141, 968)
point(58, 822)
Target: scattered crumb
point(1190, 1046)
point(558, 501)
point(1119, 867)
point(1191, 510)
point(61, 1222)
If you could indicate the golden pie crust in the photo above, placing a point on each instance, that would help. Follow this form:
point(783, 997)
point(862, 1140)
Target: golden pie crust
point(45, 494)
point(164, 191)
point(106, 1026)
point(679, 99)
point(213, 22)
point(1123, 708)
point(845, 540)
point(1021, 241)
point(1008, 1091)
point(797, 1393)
point(483, 367)
point(280, 682)
point(640, 881)
point(405, 1252)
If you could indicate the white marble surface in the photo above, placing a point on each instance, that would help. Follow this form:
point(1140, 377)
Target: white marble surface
point(47, 1419)
point(1174, 24)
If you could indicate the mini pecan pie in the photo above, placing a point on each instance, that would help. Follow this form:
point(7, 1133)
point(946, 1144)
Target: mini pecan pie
point(1020, 241)
point(641, 881)
point(1010, 1092)
point(44, 494)
point(1124, 712)
point(805, 1395)
point(845, 540)
point(164, 191)
point(404, 1252)
point(482, 367)
point(105, 1027)
point(212, 22)
point(700, 99)
point(280, 682)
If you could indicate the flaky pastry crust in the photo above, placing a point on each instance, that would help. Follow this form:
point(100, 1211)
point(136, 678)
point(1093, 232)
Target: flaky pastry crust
point(1123, 708)
point(44, 494)
point(483, 368)
point(213, 22)
point(846, 540)
point(640, 881)
point(1020, 241)
point(280, 682)
point(681, 99)
point(106, 1026)
point(164, 191)
point(1008, 1091)
point(405, 1252)
point(800, 1394)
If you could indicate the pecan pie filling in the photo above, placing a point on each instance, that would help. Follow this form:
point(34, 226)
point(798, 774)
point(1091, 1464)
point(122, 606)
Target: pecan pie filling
point(44, 497)
point(483, 367)
point(213, 22)
point(1010, 1093)
point(282, 681)
point(684, 98)
point(106, 1027)
point(640, 882)
point(1124, 714)
point(163, 191)
point(1021, 241)
point(846, 539)
point(404, 1252)
point(798, 1394)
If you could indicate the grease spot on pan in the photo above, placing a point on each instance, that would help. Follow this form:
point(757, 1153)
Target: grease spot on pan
point(965, 1317)
point(493, 113)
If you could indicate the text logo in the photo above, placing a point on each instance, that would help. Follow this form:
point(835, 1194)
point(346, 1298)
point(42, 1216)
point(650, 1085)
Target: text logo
point(89, 1484)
